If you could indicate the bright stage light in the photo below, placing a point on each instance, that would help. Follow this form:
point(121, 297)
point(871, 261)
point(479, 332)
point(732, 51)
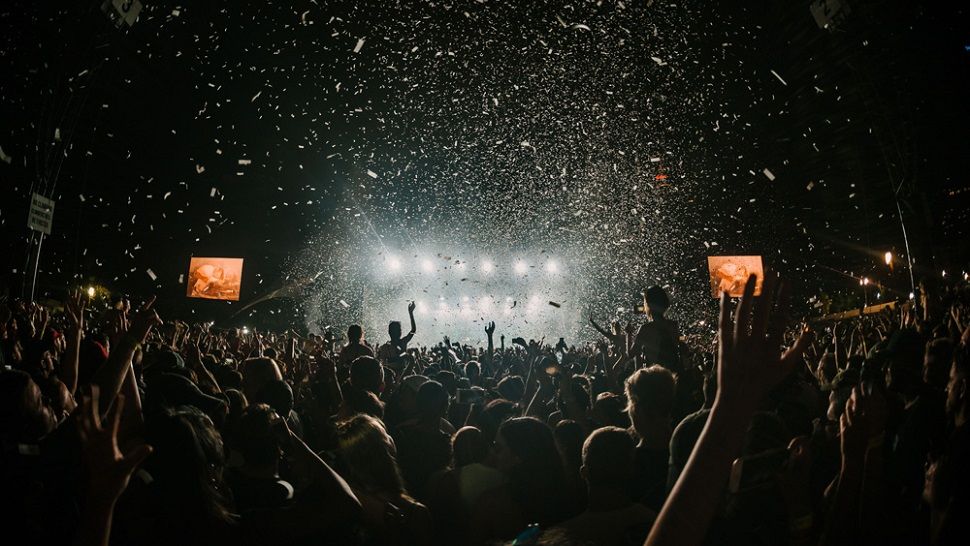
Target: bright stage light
point(487, 266)
point(427, 266)
point(91, 291)
point(394, 264)
point(552, 266)
point(521, 267)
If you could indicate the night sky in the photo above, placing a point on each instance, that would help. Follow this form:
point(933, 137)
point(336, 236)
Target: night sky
point(627, 139)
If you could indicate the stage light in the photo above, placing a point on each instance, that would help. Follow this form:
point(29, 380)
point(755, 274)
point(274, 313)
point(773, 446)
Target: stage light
point(464, 299)
point(394, 264)
point(487, 266)
point(912, 296)
point(521, 267)
point(427, 266)
point(552, 266)
point(90, 291)
point(889, 258)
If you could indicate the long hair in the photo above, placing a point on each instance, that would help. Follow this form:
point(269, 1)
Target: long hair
point(538, 482)
point(368, 455)
point(187, 466)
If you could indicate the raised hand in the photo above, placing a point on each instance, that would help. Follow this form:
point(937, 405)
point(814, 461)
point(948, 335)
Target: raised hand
point(74, 311)
point(143, 321)
point(490, 329)
point(411, 307)
point(109, 469)
point(854, 430)
point(750, 362)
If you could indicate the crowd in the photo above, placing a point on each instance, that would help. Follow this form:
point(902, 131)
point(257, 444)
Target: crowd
point(120, 428)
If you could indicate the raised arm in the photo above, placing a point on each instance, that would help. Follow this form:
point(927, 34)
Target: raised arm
point(74, 311)
point(414, 327)
point(749, 366)
point(110, 376)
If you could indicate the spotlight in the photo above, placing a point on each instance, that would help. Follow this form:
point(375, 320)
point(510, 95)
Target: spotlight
point(394, 264)
point(552, 266)
point(90, 291)
point(521, 267)
point(427, 266)
point(487, 266)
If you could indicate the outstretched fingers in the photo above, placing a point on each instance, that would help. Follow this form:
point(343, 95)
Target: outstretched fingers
point(742, 316)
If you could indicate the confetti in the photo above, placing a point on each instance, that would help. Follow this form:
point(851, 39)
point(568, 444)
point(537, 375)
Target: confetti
point(768, 174)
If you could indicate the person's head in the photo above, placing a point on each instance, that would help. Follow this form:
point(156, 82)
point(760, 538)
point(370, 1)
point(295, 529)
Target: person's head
point(827, 368)
point(394, 330)
point(277, 395)
point(366, 373)
point(656, 300)
point(650, 399)
point(473, 371)
point(511, 387)
point(369, 457)
point(186, 463)
point(357, 401)
point(257, 372)
point(608, 459)
point(957, 393)
point(448, 381)
point(432, 401)
point(610, 410)
point(937, 361)
point(25, 415)
point(904, 372)
point(493, 415)
point(525, 451)
point(355, 333)
point(255, 437)
point(469, 446)
point(569, 437)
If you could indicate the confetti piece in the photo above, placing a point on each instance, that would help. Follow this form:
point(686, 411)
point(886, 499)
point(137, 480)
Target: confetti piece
point(810, 186)
point(212, 192)
point(360, 44)
point(783, 82)
point(554, 304)
point(256, 96)
point(199, 169)
point(151, 274)
point(371, 173)
point(769, 174)
point(245, 161)
point(345, 304)
point(181, 279)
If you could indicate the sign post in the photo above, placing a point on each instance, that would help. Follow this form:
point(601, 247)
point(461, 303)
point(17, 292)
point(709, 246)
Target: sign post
point(40, 219)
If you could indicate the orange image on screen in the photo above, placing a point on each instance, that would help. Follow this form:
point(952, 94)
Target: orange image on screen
point(730, 273)
point(214, 278)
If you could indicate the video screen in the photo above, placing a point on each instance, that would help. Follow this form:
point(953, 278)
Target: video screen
point(214, 278)
point(730, 273)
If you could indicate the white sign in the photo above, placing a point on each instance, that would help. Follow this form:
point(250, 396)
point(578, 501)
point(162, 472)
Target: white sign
point(41, 214)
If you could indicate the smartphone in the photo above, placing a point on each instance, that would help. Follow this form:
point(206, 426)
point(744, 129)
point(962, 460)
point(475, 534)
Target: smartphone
point(470, 396)
point(756, 471)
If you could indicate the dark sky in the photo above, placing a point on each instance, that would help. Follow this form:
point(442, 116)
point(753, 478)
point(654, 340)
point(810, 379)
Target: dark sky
point(532, 126)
